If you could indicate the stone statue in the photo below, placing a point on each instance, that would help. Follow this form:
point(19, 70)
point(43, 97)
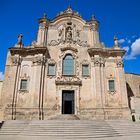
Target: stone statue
point(20, 39)
point(116, 43)
point(61, 31)
point(68, 34)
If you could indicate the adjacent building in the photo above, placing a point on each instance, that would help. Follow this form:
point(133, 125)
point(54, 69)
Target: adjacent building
point(133, 91)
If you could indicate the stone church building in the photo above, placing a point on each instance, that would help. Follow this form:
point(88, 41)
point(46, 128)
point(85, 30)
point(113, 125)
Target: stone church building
point(66, 71)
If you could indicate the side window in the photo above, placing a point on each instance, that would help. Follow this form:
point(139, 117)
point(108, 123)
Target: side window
point(85, 70)
point(51, 69)
point(111, 84)
point(23, 84)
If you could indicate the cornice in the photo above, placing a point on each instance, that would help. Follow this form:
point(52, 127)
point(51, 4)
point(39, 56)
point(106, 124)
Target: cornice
point(106, 52)
point(29, 51)
point(66, 16)
point(69, 48)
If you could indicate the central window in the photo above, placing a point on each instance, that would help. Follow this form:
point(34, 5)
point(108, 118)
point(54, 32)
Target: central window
point(68, 65)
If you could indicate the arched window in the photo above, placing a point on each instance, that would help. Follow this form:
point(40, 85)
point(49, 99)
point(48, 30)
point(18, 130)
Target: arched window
point(68, 65)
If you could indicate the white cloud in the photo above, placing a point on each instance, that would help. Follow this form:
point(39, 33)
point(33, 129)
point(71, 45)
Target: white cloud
point(129, 41)
point(135, 50)
point(135, 47)
point(121, 41)
point(1, 75)
point(125, 40)
point(126, 48)
point(129, 57)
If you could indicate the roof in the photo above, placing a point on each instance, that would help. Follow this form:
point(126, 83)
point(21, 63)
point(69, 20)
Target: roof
point(132, 73)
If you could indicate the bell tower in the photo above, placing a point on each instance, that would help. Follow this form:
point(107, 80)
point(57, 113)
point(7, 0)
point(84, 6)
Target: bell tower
point(94, 32)
point(42, 31)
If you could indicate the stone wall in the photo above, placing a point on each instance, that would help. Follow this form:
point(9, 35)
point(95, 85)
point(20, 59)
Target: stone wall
point(133, 89)
point(0, 87)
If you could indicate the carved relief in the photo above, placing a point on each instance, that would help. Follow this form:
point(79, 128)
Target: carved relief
point(23, 92)
point(102, 62)
point(16, 60)
point(38, 60)
point(68, 33)
point(54, 42)
point(119, 63)
point(62, 80)
point(98, 61)
point(77, 68)
point(51, 61)
point(61, 33)
point(85, 62)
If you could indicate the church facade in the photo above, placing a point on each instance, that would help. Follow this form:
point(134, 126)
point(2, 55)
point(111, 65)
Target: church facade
point(66, 71)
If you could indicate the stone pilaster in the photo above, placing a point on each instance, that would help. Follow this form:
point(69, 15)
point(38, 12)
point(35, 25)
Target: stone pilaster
point(123, 89)
point(98, 81)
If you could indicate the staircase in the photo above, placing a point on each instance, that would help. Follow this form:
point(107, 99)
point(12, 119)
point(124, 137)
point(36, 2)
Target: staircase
point(65, 117)
point(68, 129)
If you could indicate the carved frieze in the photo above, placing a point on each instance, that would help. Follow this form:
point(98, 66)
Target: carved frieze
point(66, 80)
point(69, 33)
point(54, 42)
point(78, 42)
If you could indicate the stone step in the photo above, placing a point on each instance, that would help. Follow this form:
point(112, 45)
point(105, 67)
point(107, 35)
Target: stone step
point(69, 129)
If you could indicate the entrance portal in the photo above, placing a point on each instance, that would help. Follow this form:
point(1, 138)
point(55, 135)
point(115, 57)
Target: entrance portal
point(67, 102)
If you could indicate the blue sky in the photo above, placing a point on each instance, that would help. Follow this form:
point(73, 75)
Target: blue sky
point(121, 18)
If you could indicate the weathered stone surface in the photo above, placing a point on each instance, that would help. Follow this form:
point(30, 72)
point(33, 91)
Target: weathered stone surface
point(67, 34)
point(133, 90)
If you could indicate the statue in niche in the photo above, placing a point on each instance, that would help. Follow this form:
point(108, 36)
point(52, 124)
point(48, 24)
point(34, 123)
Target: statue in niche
point(68, 34)
point(61, 31)
point(78, 33)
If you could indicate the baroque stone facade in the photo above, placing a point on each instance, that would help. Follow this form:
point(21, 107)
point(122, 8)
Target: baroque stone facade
point(66, 71)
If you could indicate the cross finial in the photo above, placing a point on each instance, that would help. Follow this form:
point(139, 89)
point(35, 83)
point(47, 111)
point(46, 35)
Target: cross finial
point(44, 15)
point(20, 39)
point(93, 17)
point(69, 5)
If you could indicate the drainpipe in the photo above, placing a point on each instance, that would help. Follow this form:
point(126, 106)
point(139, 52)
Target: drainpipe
point(40, 91)
point(14, 93)
point(44, 67)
